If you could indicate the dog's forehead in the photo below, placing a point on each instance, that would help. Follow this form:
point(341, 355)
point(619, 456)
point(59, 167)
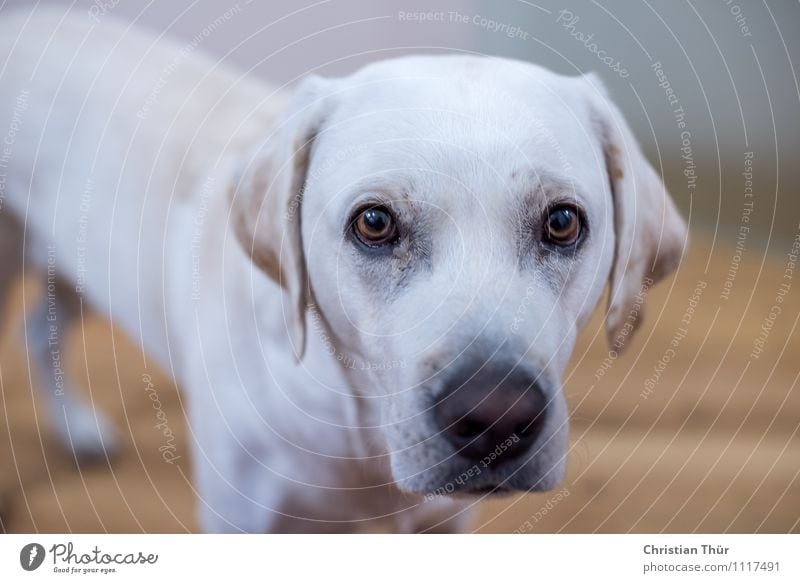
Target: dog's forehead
point(462, 118)
point(507, 94)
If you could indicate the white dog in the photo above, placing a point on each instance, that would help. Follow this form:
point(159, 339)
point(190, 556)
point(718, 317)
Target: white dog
point(369, 292)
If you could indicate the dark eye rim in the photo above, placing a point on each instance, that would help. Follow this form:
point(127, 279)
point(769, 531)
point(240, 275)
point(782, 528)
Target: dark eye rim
point(352, 226)
point(583, 225)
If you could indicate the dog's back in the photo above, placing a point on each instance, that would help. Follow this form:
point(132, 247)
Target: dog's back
point(107, 136)
point(110, 133)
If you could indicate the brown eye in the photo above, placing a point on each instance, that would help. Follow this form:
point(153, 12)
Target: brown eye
point(563, 226)
point(375, 226)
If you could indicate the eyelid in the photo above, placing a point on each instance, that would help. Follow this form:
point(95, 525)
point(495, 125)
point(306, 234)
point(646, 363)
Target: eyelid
point(573, 203)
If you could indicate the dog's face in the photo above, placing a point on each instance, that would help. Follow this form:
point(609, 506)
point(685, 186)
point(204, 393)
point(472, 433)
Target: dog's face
point(453, 222)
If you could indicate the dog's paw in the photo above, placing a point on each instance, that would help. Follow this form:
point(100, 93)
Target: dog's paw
point(85, 432)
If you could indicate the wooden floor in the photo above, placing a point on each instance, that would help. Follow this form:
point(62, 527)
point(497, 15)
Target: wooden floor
point(714, 446)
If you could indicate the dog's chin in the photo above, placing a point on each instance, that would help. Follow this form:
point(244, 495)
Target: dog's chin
point(486, 488)
point(428, 473)
point(498, 491)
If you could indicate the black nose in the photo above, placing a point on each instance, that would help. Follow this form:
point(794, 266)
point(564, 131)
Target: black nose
point(495, 410)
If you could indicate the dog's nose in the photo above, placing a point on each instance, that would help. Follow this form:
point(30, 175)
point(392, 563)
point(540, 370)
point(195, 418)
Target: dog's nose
point(490, 413)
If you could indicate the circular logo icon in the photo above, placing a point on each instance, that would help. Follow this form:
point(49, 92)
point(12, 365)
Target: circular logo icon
point(31, 556)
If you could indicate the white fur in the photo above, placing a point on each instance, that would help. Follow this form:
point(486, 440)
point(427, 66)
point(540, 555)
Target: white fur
point(205, 194)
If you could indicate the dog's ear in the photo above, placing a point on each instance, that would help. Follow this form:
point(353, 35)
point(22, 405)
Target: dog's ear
point(650, 234)
point(267, 195)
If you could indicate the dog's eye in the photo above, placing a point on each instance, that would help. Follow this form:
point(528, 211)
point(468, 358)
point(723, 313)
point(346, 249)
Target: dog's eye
point(563, 225)
point(375, 226)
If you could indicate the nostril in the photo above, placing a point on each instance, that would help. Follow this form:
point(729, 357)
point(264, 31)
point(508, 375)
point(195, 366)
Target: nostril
point(469, 428)
point(530, 426)
point(524, 429)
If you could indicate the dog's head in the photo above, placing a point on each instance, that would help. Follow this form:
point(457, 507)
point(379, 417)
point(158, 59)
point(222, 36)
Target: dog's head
point(453, 222)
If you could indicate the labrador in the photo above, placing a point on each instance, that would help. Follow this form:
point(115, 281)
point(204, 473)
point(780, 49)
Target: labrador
point(368, 288)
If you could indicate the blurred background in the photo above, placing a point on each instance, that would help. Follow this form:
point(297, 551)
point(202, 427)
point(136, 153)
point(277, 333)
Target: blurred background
point(703, 439)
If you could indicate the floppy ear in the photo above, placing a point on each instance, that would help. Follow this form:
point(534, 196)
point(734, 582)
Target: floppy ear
point(650, 234)
point(266, 200)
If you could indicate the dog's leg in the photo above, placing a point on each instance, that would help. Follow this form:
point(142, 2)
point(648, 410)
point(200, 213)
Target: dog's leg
point(231, 490)
point(81, 429)
point(242, 487)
